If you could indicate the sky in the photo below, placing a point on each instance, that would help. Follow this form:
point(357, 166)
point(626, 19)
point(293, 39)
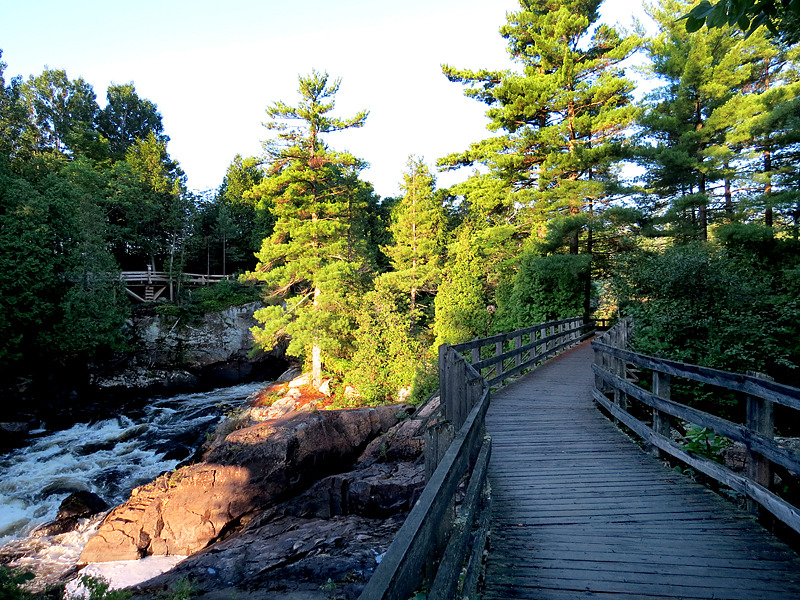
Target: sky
point(213, 68)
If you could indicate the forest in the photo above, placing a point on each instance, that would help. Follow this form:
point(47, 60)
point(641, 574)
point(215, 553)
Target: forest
point(679, 207)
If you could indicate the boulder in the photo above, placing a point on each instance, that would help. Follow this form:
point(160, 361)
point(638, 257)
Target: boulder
point(77, 505)
point(81, 504)
point(375, 491)
point(289, 374)
point(255, 467)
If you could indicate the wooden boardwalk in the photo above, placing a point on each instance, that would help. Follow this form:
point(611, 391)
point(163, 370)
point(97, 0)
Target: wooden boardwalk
point(579, 511)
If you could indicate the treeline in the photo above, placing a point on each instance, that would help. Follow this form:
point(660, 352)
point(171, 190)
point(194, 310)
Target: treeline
point(702, 247)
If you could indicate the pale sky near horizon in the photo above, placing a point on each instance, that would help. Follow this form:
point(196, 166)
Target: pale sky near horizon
point(212, 71)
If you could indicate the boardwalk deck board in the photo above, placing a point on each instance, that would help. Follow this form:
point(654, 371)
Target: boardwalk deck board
point(580, 511)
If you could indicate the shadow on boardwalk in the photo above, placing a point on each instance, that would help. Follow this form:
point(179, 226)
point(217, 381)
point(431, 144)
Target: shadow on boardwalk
point(579, 511)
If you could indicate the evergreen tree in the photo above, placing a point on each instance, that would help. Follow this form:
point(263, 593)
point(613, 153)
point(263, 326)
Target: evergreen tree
point(698, 127)
point(416, 222)
point(127, 118)
point(762, 134)
point(564, 113)
point(311, 253)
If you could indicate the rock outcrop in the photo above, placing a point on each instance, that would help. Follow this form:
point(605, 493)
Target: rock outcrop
point(77, 505)
point(324, 543)
point(173, 354)
point(253, 469)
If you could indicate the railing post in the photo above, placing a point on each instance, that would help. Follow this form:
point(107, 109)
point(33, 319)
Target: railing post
point(761, 420)
point(498, 350)
point(661, 421)
point(517, 346)
point(437, 438)
point(542, 335)
point(620, 399)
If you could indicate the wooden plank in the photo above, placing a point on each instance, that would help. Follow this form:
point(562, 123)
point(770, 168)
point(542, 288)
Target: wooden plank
point(399, 573)
point(501, 337)
point(760, 420)
point(784, 511)
point(446, 581)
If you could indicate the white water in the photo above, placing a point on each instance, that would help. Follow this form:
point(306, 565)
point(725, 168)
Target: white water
point(108, 457)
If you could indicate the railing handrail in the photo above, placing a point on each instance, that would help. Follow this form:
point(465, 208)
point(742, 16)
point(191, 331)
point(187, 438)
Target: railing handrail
point(610, 368)
point(136, 275)
point(763, 388)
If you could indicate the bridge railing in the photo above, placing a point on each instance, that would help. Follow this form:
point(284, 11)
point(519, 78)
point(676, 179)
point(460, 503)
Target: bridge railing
point(439, 543)
point(504, 355)
point(615, 387)
point(150, 277)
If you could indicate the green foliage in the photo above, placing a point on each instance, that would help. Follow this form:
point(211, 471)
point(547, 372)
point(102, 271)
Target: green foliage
point(11, 582)
point(387, 356)
point(711, 306)
point(98, 589)
point(706, 443)
point(415, 253)
point(564, 112)
point(463, 304)
point(312, 259)
point(211, 298)
point(224, 294)
point(183, 589)
point(127, 118)
point(747, 15)
point(545, 288)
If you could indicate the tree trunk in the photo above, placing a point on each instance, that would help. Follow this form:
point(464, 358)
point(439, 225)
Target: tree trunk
point(316, 352)
point(768, 188)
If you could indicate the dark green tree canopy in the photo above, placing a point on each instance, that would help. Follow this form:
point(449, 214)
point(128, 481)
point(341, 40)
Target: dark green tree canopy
point(127, 118)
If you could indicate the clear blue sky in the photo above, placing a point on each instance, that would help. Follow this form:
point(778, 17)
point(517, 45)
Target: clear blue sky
point(212, 68)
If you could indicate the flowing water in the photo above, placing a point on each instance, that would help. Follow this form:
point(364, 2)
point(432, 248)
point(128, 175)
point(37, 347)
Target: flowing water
point(108, 457)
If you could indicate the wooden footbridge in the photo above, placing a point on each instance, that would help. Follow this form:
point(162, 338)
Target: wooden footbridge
point(559, 503)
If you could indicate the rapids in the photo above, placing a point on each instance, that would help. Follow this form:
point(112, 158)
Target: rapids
point(108, 457)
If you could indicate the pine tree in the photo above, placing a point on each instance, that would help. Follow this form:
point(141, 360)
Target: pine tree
point(416, 222)
point(312, 250)
point(564, 114)
point(760, 131)
point(689, 160)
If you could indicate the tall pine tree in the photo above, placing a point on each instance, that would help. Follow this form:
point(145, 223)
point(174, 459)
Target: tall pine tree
point(415, 254)
point(313, 191)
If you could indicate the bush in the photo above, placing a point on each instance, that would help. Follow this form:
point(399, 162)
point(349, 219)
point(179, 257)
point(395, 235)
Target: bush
point(710, 306)
point(545, 288)
point(387, 355)
point(222, 295)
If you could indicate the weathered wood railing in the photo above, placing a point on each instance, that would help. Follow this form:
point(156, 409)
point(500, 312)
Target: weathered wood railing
point(151, 277)
point(156, 282)
point(611, 368)
point(433, 545)
point(521, 349)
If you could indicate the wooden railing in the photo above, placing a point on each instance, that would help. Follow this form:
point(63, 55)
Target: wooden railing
point(151, 277)
point(439, 543)
point(615, 388)
point(521, 349)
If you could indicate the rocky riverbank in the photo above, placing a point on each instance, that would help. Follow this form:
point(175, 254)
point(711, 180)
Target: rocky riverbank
point(169, 355)
point(306, 503)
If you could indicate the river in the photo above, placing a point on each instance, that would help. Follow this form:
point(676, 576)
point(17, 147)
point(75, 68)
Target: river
point(108, 457)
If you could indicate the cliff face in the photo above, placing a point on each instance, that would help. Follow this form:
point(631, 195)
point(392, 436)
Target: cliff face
point(173, 354)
